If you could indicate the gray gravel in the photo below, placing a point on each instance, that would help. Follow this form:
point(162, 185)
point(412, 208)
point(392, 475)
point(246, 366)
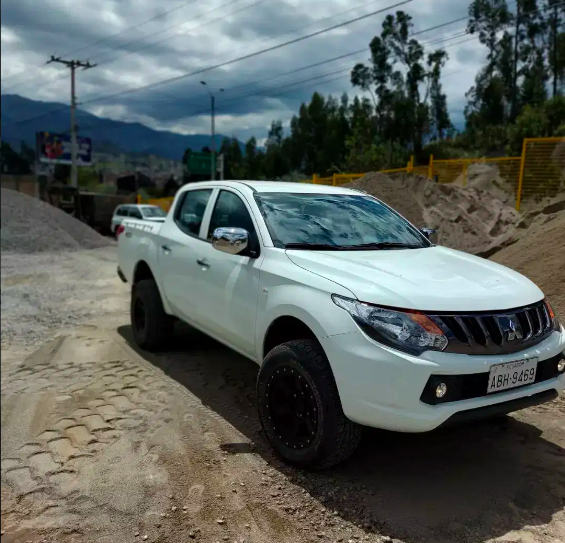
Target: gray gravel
point(45, 293)
point(30, 225)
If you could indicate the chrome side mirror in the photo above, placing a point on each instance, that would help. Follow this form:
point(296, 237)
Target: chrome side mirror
point(428, 232)
point(230, 240)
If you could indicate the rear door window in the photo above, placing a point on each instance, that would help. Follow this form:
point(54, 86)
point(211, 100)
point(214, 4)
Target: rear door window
point(190, 210)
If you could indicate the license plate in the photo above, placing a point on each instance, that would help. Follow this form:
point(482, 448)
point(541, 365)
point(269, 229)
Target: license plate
point(512, 374)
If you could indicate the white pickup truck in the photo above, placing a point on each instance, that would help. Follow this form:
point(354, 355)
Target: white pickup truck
point(353, 315)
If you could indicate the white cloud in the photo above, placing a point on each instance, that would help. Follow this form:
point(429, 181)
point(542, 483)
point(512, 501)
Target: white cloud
point(195, 36)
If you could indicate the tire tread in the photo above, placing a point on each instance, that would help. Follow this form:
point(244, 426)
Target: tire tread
point(348, 433)
point(159, 324)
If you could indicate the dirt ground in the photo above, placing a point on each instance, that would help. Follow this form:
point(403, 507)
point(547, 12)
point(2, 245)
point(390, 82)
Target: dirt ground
point(102, 443)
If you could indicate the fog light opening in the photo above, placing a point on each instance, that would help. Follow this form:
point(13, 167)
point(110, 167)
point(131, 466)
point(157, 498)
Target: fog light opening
point(441, 390)
point(561, 365)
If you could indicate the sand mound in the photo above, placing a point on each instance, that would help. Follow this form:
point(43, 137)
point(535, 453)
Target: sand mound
point(540, 255)
point(485, 176)
point(467, 218)
point(29, 225)
point(549, 210)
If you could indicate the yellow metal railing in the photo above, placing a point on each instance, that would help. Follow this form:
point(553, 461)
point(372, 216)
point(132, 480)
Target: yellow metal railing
point(163, 203)
point(538, 172)
point(542, 170)
point(336, 179)
point(457, 170)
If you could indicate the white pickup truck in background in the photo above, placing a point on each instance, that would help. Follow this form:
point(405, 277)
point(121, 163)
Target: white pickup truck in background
point(353, 315)
point(146, 212)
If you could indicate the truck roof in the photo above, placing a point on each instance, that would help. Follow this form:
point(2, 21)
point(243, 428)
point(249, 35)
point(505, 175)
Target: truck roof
point(275, 186)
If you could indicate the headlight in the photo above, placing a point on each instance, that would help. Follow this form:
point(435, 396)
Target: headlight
point(552, 316)
point(408, 331)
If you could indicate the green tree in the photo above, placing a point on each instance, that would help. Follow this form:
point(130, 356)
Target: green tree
point(398, 73)
point(275, 160)
point(555, 43)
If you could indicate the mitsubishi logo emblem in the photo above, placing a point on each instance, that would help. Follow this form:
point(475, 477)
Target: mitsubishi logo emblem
point(515, 331)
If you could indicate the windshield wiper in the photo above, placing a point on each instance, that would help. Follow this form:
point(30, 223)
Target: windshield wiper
point(385, 245)
point(361, 247)
point(315, 246)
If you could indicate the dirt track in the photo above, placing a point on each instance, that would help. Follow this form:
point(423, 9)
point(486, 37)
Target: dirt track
point(96, 437)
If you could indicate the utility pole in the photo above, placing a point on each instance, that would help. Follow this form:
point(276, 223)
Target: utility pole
point(221, 163)
point(73, 65)
point(213, 123)
point(213, 142)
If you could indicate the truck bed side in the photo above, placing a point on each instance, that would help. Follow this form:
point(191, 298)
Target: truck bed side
point(138, 243)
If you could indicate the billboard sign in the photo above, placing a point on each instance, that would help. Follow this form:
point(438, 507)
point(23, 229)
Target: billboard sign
point(199, 163)
point(52, 148)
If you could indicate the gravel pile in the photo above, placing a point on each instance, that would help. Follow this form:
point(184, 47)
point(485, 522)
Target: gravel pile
point(29, 225)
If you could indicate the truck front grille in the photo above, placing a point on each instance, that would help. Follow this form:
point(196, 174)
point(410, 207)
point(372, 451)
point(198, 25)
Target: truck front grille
point(496, 332)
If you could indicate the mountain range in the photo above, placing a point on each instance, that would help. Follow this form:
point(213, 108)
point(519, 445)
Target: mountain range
point(22, 118)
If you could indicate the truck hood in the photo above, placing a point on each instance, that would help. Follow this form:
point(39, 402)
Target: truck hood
point(430, 279)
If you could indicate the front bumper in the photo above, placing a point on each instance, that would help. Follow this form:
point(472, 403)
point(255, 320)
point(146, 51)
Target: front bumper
point(382, 387)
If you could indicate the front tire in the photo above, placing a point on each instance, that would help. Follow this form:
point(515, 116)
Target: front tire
point(151, 326)
point(300, 409)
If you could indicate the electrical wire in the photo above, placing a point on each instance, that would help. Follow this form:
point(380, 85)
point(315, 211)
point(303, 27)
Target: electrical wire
point(102, 40)
point(206, 23)
point(320, 63)
point(254, 54)
point(250, 55)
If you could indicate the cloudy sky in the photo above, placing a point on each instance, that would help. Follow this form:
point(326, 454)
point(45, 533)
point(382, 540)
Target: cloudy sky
point(141, 42)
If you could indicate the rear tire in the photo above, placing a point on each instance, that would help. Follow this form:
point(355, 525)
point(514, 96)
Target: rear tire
point(309, 432)
point(151, 326)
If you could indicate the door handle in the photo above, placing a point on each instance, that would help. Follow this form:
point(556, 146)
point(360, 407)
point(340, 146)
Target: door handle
point(166, 248)
point(203, 263)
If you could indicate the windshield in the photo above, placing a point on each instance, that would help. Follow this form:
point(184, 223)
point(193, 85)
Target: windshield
point(153, 212)
point(338, 221)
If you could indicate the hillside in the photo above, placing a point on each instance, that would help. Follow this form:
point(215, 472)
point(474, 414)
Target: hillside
point(106, 134)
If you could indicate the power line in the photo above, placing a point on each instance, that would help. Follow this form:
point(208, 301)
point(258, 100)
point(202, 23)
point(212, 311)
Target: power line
point(102, 40)
point(58, 77)
point(312, 85)
point(269, 49)
point(352, 53)
point(206, 23)
point(250, 55)
point(308, 25)
point(260, 41)
point(310, 66)
point(143, 23)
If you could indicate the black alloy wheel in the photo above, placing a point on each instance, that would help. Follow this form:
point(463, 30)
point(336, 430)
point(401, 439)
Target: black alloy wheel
point(300, 409)
point(292, 408)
